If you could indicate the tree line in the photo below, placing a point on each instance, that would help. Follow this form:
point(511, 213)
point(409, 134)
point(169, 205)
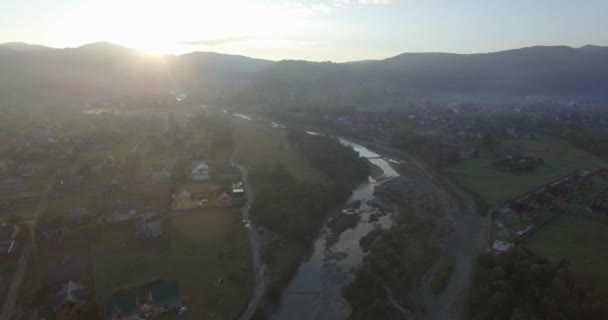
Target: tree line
point(521, 285)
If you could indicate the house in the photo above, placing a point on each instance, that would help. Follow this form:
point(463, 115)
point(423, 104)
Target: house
point(28, 170)
point(501, 246)
point(149, 230)
point(161, 176)
point(8, 234)
point(70, 301)
point(165, 297)
point(224, 200)
point(556, 192)
point(118, 212)
point(520, 210)
point(200, 172)
point(13, 184)
point(576, 182)
point(69, 268)
point(54, 234)
point(238, 192)
point(160, 298)
point(540, 200)
point(122, 308)
point(77, 215)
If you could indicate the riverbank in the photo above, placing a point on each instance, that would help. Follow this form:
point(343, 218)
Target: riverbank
point(463, 236)
point(315, 291)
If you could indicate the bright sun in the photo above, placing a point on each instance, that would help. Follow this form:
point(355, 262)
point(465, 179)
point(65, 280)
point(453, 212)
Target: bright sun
point(160, 27)
point(151, 26)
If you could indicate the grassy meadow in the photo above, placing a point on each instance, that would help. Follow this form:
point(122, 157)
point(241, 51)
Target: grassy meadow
point(495, 186)
point(199, 248)
point(258, 144)
point(580, 239)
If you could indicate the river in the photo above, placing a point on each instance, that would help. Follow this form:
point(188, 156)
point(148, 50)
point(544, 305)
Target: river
point(315, 291)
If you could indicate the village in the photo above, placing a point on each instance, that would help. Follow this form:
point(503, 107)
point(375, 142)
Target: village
point(117, 217)
point(85, 218)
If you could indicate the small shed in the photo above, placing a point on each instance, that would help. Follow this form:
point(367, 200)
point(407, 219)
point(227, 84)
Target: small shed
point(150, 230)
point(501, 246)
point(77, 215)
point(224, 200)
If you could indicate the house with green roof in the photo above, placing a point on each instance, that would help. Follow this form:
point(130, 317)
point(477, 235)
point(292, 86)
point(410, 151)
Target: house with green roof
point(122, 307)
point(165, 297)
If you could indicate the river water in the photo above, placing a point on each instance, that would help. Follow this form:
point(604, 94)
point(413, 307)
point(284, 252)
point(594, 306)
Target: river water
point(315, 291)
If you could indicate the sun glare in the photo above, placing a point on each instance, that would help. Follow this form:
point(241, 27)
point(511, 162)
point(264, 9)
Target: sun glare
point(162, 27)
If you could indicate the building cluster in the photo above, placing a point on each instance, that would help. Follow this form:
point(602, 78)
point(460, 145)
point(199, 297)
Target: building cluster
point(583, 192)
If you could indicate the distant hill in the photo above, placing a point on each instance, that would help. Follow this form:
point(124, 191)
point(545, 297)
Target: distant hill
point(594, 49)
point(31, 73)
point(73, 75)
point(543, 71)
point(23, 47)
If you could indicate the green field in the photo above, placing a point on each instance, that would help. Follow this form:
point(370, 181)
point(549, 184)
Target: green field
point(199, 248)
point(580, 239)
point(59, 207)
point(495, 186)
point(257, 144)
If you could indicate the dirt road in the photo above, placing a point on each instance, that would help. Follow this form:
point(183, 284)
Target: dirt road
point(466, 241)
point(8, 308)
point(254, 242)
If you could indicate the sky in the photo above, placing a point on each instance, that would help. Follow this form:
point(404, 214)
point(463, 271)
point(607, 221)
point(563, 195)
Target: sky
point(318, 30)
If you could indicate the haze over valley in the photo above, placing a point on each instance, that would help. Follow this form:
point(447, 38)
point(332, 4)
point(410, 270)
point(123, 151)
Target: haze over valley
point(303, 160)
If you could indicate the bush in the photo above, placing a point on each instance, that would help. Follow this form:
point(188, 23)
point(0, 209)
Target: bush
point(442, 275)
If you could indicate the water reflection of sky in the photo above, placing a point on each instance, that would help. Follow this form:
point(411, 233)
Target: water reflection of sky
point(315, 291)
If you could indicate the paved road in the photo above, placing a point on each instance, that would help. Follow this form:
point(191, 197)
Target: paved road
point(254, 242)
point(8, 307)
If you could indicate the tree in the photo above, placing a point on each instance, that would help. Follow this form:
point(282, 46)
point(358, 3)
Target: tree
point(488, 140)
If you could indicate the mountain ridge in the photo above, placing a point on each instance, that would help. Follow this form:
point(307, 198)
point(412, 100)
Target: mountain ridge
point(103, 68)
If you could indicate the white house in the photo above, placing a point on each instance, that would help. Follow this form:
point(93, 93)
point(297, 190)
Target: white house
point(200, 172)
